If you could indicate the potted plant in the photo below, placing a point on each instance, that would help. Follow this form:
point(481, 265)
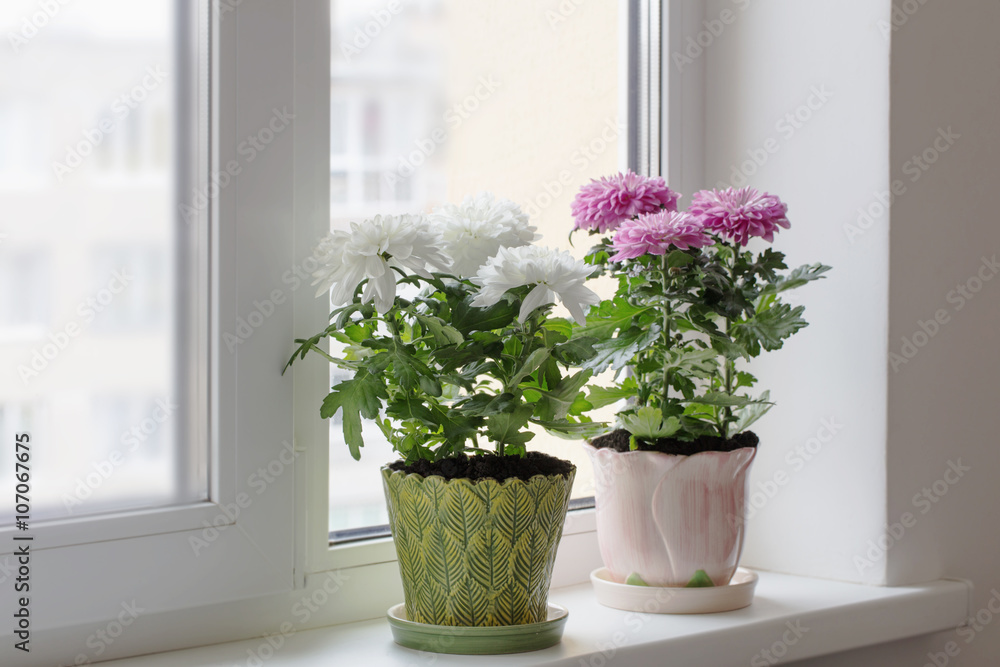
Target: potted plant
point(692, 304)
point(452, 349)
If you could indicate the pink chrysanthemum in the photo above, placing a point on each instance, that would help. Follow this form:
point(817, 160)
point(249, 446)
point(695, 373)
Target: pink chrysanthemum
point(656, 233)
point(605, 204)
point(740, 214)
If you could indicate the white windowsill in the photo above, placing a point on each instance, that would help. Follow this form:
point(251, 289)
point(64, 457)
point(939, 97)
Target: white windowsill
point(832, 616)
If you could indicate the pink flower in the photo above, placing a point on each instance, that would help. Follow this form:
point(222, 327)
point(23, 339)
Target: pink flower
point(740, 214)
point(655, 233)
point(603, 205)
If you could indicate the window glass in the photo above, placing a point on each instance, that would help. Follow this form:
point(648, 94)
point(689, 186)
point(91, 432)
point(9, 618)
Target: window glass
point(452, 97)
point(96, 153)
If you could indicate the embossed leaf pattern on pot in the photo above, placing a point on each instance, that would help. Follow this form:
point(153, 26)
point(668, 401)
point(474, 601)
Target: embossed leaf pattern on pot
point(664, 517)
point(476, 553)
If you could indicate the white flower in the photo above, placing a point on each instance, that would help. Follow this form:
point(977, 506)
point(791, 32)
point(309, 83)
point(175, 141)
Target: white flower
point(329, 253)
point(476, 229)
point(552, 273)
point(371, 251)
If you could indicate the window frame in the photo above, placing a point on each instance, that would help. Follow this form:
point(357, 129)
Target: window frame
point(147, 557)
point(263, 55)
point(642, 25)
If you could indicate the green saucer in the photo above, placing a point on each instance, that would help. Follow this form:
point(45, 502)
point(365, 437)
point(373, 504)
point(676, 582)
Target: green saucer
point(479, 640)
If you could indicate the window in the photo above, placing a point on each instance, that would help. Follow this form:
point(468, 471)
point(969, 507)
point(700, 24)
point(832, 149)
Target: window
point(125, 271)
point(92, 315)
point(224, 510)
point(433, 100)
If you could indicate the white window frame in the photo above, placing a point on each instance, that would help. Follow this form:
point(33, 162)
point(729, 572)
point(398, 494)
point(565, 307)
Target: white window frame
point(359, 565)
point(84, 570)
point(262, 568)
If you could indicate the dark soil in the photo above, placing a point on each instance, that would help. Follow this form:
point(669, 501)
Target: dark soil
point(489, 465)
point(619, 441)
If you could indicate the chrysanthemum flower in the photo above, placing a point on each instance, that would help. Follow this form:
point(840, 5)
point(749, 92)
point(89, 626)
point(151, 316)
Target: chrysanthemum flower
point(371, 251)
point(603, 205)
point(552, 273)
point(656, 233)
point(476, 229)
point(739, 214)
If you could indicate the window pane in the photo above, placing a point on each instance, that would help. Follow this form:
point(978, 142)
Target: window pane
point(98, 127)
point(453, 97)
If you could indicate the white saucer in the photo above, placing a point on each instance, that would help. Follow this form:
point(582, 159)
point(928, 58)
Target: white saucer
point(662, 600)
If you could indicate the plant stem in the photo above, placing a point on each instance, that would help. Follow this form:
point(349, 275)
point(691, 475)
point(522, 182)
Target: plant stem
point(730, 364)
point(667, 342)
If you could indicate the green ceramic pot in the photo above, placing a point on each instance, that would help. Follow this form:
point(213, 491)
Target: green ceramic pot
point(475, 553)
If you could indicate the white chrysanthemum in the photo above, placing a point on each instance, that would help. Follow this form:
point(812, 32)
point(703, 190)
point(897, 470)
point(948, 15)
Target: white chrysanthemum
point(371, 251)
point(476, 229)
point(552, 273)
point(329, 253)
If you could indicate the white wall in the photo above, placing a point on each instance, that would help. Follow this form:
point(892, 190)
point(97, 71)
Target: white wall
point(902, 426)
point(773, 59)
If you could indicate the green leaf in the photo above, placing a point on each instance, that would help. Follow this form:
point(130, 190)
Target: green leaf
point(467, 318)
point(530, 365)
point(357, 397)
point(603, 321)
point(602, 396)
point(573, 430)
point(483, 405)
point(576, 351)
point(695, 362)
point(406, 367)
point(769, 328)
point(678, 258)
point(797, 278)
point(728, 348)
point(722, 400)
point(506, 428)
point(443, 333)
point(429, 385)
point(749, 414)
point(555, 403)
point(560, 325)
point(620, 351)
point(648, 424)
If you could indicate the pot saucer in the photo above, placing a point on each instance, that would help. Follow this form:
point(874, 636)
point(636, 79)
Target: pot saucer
point(738, 593)
point(478, 640)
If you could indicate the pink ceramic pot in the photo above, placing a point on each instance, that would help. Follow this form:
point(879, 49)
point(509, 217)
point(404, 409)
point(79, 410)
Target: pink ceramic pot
point(665, 516)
